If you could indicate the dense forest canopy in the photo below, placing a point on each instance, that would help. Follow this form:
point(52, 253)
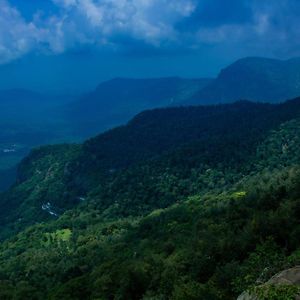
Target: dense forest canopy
point(181, 203)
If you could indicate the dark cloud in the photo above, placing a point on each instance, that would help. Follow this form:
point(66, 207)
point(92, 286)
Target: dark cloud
point(147, 25)
point(215, 32)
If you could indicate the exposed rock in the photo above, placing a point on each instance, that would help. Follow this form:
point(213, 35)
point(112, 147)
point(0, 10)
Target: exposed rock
point(247, 296)
point(287, 277)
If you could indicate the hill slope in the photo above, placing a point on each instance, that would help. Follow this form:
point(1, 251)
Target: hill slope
point(256, 79)
point(181, 203)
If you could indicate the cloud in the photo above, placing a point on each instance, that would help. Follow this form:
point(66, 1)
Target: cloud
point(151, 21)
point(16, 36)
point(100, 23)
point(254, 25)
point(268, 28)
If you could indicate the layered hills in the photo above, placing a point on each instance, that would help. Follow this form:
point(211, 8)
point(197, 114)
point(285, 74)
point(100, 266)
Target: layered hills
point(29, 119)
point(180, 203)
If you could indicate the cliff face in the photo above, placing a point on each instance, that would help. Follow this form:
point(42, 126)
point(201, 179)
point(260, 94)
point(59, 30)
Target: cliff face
point(284, 285)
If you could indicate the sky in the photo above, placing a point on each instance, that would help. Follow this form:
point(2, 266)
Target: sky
point(70, 46)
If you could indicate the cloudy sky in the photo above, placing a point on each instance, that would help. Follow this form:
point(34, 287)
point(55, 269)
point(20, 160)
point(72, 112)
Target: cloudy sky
point(71, 45)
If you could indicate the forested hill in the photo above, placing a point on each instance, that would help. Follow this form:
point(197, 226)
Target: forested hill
point(181, 139)
point(181, 203)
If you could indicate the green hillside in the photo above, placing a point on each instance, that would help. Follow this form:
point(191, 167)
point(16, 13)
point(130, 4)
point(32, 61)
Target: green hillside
point(181, 203)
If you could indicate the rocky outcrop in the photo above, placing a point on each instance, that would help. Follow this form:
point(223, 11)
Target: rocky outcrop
point(247, 296)
point(289, 277)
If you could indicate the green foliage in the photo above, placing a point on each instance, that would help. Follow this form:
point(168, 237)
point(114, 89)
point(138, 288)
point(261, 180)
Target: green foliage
point(260, 265)
point(59, 236)
point(203, 216)
point(276, 292)
point(238, 195)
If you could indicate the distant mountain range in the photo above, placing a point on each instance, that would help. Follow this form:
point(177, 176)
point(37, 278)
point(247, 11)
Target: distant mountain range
point(115, 101)
point(28, 119)
point(255, 79)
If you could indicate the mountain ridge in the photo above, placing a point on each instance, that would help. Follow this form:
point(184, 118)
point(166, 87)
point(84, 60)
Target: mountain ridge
point(253, 78)
point(115, 101)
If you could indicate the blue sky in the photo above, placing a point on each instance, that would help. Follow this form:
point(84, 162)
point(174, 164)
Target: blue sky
point(72, 45)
